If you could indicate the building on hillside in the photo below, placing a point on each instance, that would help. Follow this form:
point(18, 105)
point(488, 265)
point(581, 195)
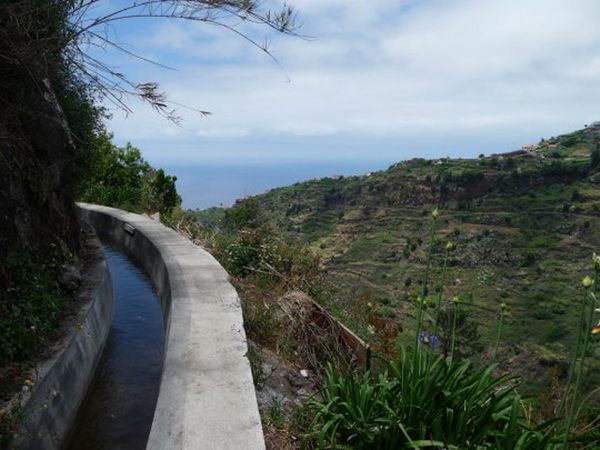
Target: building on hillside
point(529, 147)
point(593, 130)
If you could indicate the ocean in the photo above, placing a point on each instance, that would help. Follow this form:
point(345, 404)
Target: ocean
point(220, 184)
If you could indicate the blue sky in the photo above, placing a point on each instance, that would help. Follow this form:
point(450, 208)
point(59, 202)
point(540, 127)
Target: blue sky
point(382, 80)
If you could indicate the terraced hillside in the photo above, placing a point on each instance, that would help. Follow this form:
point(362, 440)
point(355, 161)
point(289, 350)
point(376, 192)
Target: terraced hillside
point(524, 227)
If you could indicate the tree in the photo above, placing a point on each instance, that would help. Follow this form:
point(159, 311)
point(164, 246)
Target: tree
point(164, 191)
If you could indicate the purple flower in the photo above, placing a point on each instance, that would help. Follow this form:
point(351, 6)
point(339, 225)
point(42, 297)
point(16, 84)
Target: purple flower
point(429, 339)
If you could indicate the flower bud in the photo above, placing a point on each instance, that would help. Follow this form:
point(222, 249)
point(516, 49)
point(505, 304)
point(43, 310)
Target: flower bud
point(587, 282)
point(435, 214)
point(455, 299)
point(596, 261)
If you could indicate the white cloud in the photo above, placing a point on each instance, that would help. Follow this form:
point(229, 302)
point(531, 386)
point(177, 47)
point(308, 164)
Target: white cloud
point(384, 68)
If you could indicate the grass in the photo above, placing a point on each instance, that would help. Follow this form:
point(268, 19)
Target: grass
point(275, 414)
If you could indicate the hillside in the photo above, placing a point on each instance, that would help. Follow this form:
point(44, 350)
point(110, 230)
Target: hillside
point(524, 227)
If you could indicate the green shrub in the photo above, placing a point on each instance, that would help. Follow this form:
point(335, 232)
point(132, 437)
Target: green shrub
point(556, 333)
point(459, 324)
point(243, 215)
point(120, 177)
point(10, 421)
point(257, 252)
point(420, 401)
point(240, 255)
point(30, 307)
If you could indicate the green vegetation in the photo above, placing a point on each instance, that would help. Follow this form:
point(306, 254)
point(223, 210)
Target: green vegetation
point(105, 173)
point(514, 235)
point(37, 302)
point(425, 398)
point(55, 150)
point(120, 177)
point(523, 232)
point(252, 252)
point(431, 403)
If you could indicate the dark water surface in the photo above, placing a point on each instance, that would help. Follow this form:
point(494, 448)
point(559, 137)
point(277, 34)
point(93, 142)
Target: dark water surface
point(118, 410)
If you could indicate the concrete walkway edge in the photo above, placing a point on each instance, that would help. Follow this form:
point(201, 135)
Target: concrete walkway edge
point(207, 399)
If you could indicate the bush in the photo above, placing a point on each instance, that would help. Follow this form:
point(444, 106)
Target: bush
point(30, 307)
point(257, 252)
point(422, 400)
point(463, 176)
point(242, 254)
point(468, 339)
point(244, 214)
point(120, 177)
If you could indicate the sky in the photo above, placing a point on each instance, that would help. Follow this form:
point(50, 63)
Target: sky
point(379, 80)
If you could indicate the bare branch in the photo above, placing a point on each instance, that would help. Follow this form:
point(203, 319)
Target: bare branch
point(86, 28)
point(227, 14)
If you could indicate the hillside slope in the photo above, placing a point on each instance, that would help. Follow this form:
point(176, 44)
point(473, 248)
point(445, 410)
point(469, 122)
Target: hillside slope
point(524, 227)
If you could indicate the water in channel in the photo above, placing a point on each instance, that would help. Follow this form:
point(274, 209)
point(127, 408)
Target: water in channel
point(118, 409)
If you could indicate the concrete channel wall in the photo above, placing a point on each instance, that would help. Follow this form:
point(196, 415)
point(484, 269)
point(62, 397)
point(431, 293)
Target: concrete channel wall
point(60, 383)
point(206, 398)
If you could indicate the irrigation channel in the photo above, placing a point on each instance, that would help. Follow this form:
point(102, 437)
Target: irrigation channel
point(118, 409)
